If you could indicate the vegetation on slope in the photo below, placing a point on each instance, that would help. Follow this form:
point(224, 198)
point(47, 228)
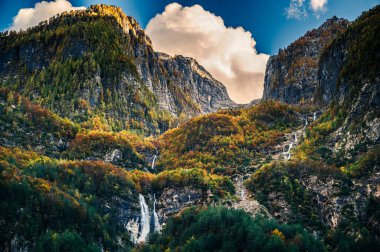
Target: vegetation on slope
point(294, 192)
point(363, 59)
point(85, 202)
point(47, 203)
point(221, 229)
point(30, 126)
point(83, 56)
point(225, 141)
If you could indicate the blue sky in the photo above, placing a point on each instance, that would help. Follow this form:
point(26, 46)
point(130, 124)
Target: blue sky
point(266, 20)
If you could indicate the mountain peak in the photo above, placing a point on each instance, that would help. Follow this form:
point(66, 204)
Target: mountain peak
point(335, 22)
point(291, 76)
point(102, 58)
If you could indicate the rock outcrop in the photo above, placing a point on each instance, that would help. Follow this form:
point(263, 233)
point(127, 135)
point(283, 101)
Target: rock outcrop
point(349, 77)
point(337, 65)
point(292, 75)
point(100, 62)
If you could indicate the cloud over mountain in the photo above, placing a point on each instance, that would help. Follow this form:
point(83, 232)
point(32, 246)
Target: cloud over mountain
point(318, 5)
point(228, 53)
point(28, 17)
point(297, 8)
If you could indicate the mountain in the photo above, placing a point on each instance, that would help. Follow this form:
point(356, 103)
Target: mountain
point(349, 81)
point(339, 154)
point(336, 64)
point(99, 62)
point(295, 172)
point(292, 75)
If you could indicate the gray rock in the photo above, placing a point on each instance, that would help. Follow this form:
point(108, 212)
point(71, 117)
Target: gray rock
point(292, 75)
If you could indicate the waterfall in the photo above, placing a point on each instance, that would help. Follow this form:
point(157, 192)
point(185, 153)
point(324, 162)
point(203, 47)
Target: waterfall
point(287, 153)
point(113, 155)
point(315, 116)
point(145, 220)
point(156, 222)
point(306, 122)
point(154, 161)
point(139, 230)
point(295, 138)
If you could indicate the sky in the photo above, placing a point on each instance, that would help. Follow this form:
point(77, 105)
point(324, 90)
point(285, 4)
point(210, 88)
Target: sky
point(232, 39)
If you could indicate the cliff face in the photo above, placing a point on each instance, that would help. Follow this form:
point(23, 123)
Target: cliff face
point(349, 76)
point(99, 62)
point(181, 84)
point(345, 83)
point(317, 167)
point(292, 75)
point(337, 65)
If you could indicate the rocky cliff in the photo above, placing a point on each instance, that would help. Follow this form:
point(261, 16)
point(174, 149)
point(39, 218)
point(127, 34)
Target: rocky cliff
point(349, 77)
point(65, 184)
point(337, 65)
point(292, 75)
point(333, 181)
point(105, 63)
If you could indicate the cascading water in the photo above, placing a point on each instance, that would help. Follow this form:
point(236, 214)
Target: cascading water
point(293, 137)
point(287, 153)
point(113, 155)
point(156, 222)
point(144, 221)
point(154, 161)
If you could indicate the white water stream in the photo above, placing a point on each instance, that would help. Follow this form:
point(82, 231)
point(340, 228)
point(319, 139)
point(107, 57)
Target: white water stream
point(156, 222)
point(287, 153)
point(294, 139)
point(154, 161)
point(139, 230)
point(144, 221)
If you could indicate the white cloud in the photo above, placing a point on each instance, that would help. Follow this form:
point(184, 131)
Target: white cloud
point(296, 9)
point(229, 54)
point(318, 6)
point(29, 17)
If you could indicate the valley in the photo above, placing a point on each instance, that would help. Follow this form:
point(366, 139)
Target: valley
point(107, 145)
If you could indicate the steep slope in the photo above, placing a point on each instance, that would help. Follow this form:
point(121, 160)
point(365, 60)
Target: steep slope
point(105, 63)
point(349, 76)
point(292, 75)
point(81, 186)
point(331, 185)
point(344, 74)
point(81, 205)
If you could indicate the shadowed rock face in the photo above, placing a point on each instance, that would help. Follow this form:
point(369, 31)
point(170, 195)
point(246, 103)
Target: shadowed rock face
point(181, 85)
point(292, 75)
point(116, 72)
